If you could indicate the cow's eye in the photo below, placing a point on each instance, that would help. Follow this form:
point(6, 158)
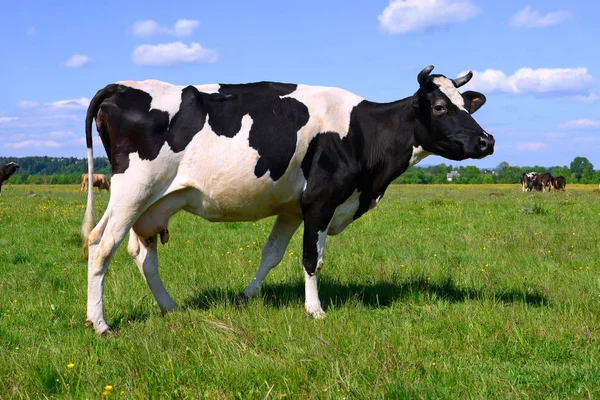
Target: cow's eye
point(439, 109)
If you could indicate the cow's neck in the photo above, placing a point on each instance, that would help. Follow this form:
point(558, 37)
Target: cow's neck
point(388, 132)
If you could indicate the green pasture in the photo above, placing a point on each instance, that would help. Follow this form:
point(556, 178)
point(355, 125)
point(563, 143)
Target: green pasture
point(441, 292)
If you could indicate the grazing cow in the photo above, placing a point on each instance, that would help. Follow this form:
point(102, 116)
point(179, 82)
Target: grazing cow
point(527, 180)
point(6, 172)
point(99, 180)
point(318, 155)
point(559, 183)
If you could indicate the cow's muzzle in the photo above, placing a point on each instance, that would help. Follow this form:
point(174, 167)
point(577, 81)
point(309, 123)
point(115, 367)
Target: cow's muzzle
point(486, 144)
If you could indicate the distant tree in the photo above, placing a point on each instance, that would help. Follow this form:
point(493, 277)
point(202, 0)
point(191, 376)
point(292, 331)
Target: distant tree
point(487, 179)
point(502, 166)
point(581, 167)
point(510, 175)
point(470, 174)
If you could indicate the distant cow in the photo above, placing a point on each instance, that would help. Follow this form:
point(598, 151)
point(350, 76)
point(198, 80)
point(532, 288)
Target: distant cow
point(542, 181)
point(320, 156)
point(100, 181)
point(559, 183)
point(527, 181)
point(6, 172)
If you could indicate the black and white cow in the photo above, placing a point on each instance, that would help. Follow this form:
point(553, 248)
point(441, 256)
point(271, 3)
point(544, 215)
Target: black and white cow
point(527, 181)
point(318, 155)
point(6, 172)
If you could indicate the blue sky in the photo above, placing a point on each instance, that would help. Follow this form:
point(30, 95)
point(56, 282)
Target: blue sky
point(538, 62)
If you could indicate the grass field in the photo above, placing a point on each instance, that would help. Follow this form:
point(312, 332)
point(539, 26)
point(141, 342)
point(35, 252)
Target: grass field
point(440, 292)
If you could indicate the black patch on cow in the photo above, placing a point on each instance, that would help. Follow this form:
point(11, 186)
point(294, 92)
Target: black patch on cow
point(133, 127)
point(275, 121)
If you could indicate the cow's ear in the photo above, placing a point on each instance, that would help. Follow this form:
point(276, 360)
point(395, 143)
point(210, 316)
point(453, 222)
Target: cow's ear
point(475, 99)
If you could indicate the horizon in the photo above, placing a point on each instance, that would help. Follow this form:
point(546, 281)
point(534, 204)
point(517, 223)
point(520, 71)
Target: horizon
point(419, 165)
point(531, 61)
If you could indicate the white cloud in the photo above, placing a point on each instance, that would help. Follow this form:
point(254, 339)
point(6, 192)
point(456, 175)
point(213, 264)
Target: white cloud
point(528, 80)
point(532, 146)
point(169, 54)
point(32, 32)
point(148, 28)
point(580, 124)
point(74, 104)
point(77, 61)
point(8, 119)
point(27, 104)
point(592, 97)
point(528, 18)
point(32, 144)
point(402, 16)
point(185, 27)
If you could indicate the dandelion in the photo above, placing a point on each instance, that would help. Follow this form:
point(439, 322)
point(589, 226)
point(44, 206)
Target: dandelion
point(108, 388)
point(435, 255)
point(70, 365)
point(105, 393)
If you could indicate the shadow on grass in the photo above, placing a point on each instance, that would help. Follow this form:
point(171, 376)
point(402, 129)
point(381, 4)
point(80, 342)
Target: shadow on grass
point(124, 318)
point(381, 294)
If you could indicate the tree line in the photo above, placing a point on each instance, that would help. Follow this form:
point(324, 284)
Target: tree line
point(53, 170)
point(68, 170)
point(580, 170)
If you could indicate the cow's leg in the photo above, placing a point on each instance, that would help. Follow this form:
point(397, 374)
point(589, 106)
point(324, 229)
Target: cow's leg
point(273, 251)
point(145, 254)
point(315, 233)
point(103, 241)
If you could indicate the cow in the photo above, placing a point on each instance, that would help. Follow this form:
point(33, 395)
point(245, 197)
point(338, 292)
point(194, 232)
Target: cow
point(99, 180)
point(559, 183)
point(6, 172)
point(542, 181)
point(527, 180)
point(321, 156)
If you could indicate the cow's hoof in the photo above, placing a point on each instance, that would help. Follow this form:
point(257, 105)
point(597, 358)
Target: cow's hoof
point(250, 293)
point(243, 298)
point(316, 312)
point(101, 328)
point(169, 308)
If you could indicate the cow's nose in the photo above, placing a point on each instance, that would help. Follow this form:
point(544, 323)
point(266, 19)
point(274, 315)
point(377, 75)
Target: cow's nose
point(486, 144)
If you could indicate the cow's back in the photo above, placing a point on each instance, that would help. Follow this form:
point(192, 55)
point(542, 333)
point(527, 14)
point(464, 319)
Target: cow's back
point(244, 160)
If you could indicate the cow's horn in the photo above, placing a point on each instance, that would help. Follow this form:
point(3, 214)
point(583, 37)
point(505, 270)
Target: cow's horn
point(458, 82)
point(422, 77)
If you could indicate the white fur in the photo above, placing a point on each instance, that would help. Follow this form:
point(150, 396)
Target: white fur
point(417, 155)
point(329, 107)
point(344, 214)
point(447, 87)
point(165, 96)
point(273, 251)
point(311, 283)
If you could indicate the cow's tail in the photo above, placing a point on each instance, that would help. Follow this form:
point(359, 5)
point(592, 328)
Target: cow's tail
point(89, 219)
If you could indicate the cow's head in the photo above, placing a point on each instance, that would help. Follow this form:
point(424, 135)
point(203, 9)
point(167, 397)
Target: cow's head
point(12, 167)
point(449, 129)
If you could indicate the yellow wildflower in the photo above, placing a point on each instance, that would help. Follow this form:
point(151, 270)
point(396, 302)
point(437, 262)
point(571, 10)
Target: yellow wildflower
point(70, 365)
